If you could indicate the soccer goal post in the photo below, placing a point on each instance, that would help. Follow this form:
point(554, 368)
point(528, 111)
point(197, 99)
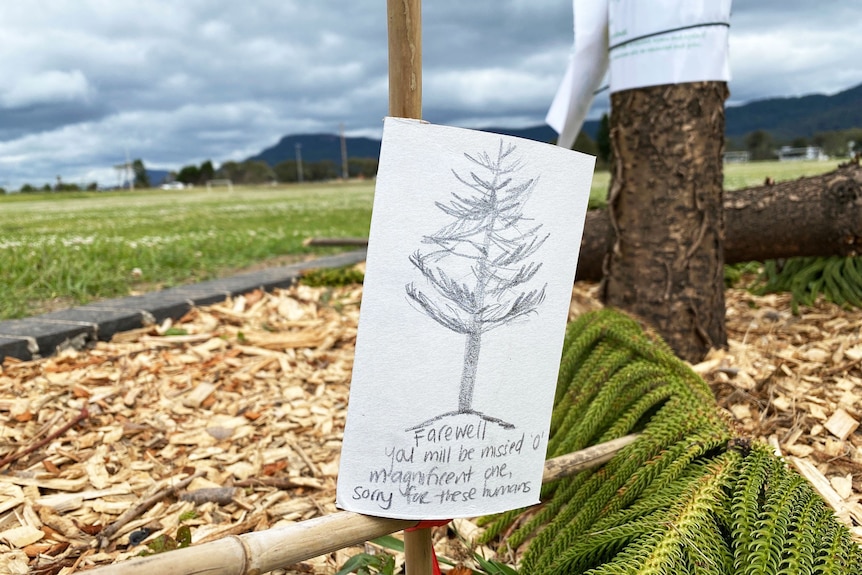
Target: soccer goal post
point(220, 183)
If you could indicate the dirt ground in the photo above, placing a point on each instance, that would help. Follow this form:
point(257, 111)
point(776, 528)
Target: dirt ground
point(247, 399)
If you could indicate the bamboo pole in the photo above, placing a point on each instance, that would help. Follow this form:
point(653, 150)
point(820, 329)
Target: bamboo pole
point(405, 58)
point(405, 101)
point(276, 548)
point(419, 551)
point(575, 462)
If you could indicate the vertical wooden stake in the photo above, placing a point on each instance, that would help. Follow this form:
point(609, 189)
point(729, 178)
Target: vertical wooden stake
point(418, 549)
point(405, 58)
point(405, 101)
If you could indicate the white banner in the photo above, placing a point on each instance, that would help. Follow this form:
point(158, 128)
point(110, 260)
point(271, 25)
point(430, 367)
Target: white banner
point(647, 42)
point(668, 42)
point(587, 66)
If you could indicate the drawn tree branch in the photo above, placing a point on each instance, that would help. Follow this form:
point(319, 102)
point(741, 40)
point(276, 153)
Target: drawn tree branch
point(486, 245)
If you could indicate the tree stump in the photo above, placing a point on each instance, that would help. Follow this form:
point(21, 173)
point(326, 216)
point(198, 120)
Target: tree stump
point(665, 205)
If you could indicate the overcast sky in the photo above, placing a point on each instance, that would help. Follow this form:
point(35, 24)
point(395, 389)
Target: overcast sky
point(84, 82)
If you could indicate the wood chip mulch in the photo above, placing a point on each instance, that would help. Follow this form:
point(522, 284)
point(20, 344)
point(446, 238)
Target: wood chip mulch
point(230, 420)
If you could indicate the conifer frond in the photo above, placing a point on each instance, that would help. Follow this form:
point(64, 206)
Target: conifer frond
point(683, 498)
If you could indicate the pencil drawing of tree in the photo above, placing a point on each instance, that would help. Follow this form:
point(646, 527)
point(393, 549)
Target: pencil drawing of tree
point(479, 265)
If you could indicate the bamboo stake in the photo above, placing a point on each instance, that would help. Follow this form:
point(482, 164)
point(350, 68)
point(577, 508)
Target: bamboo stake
point(405, 58)
point(571, 463)
point(276, 548)
point(419, 551)
point(405, 101)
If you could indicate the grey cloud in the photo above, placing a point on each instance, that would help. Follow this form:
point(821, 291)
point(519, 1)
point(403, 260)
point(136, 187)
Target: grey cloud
point(21, 121)
point(180, 82)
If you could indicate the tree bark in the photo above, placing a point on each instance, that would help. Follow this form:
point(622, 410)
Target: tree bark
point(666, 211)
point(813, 216)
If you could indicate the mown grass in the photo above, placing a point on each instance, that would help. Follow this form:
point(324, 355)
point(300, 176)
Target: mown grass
point(60, 249)
point(65, 249)
point(737, 176)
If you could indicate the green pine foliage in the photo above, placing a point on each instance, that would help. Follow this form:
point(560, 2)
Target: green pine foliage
point(837, 278)
point(686, 497)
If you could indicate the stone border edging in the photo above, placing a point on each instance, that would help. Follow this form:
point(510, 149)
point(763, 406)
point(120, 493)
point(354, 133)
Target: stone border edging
point(43, 335)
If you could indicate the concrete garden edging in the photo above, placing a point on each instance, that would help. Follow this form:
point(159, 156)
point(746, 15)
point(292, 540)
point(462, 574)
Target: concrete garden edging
point(43, 335)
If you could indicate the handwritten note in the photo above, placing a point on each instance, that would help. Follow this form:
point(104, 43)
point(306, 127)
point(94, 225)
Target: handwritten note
point(471, 259)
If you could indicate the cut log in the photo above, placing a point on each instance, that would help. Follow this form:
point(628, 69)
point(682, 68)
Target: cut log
point(814, 216)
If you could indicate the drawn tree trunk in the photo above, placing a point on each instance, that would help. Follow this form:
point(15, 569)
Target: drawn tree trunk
point(666, 211)
point(813, 216)
point(488, 242)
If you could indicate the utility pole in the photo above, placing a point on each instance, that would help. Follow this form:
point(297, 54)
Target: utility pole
point(129, 171)
point(299, 163)
point(344, 171)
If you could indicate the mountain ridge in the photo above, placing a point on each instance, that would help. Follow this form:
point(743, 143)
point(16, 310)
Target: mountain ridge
point(784, 118)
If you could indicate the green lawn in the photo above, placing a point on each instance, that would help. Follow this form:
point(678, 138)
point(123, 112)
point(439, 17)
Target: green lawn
point(63, 249)
point(738, 176)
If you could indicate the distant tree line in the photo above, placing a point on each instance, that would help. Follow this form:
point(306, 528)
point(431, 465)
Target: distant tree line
point(60, 186)
point(139, 174)
point(600, 147)
point(249, 172)
point(192, 175)
point(255, 172)
point(762, 145)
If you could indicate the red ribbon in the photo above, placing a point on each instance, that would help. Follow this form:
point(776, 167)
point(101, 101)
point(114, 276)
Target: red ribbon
point(429, 523)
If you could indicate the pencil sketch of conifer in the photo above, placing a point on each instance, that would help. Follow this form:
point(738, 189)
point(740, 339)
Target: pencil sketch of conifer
point(479, 267)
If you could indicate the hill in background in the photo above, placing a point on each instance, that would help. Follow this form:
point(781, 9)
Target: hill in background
point(318, 147)
point(784, 118)
point(799, 117)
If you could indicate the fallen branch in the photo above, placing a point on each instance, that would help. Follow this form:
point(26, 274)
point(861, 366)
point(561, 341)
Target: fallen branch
point(220, 495)
point(18, 455)
point(362, 242)
point(111, 530)
point(264, 551)
point(816, 216)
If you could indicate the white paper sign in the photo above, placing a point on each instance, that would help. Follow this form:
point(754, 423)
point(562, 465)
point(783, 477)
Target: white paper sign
point(471, 259)
point(668, 42)
point(648, 43)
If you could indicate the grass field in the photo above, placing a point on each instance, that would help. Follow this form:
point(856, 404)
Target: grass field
point(64, 249)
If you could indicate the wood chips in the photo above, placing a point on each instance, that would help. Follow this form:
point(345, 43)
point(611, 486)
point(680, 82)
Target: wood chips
point(230, 420)
point(796, 382)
